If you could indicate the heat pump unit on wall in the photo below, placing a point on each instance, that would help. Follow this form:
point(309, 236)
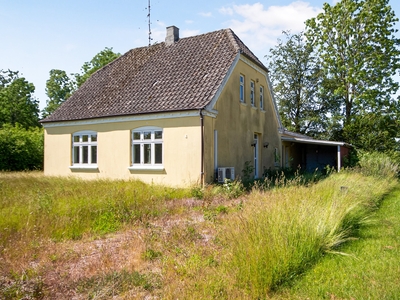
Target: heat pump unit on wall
point(226, 173)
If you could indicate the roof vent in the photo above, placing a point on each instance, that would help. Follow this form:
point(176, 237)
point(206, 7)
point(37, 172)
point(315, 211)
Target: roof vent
point(172, 35)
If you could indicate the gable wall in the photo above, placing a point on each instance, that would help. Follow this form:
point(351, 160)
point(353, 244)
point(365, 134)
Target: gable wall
point(181, 151)
point(237, 122)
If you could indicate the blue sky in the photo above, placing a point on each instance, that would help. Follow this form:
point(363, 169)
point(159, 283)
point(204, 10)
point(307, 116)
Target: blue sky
point(40, 35)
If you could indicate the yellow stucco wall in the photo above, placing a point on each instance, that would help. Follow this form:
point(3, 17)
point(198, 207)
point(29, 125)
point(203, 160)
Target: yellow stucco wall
point(237, 122)
point(181, 166)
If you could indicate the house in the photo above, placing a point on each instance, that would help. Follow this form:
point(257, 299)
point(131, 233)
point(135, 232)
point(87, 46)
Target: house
point(186, 110)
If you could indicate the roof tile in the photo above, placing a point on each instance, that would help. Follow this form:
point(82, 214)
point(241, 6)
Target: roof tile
point(183, 76)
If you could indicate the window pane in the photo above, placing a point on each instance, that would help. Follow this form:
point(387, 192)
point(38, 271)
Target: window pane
point(136, 135)
point(147, 154)
point(158, 154)
point(85, 138)
point(136, 154)
point(85, 154)
point(76, 155)
point(76, 138)
point(241, 93)
point(94, 137)
point(147, 135)
point(158, 135)
point(94, 154)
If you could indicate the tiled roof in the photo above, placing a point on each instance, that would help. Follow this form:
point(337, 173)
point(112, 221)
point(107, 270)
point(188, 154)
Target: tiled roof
point(183, 76)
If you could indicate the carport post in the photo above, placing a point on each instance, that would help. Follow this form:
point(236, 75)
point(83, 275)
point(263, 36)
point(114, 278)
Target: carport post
point(338, 159)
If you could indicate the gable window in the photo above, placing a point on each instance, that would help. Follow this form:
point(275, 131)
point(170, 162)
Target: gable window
point(84, 149)
point(261, 97)
point(241, 88)
point(147, 148)
point(252, 84)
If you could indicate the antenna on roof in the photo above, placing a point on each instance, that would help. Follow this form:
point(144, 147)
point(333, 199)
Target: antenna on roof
point(148, 15)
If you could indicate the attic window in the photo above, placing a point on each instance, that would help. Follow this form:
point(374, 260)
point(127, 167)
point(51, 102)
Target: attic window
point(241, 92)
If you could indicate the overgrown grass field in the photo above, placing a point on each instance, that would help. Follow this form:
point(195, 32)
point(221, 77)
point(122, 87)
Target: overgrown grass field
point(67, 238)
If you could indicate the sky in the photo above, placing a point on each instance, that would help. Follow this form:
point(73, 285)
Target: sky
point(40, 35)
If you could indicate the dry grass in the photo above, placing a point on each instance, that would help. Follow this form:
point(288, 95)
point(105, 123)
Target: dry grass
point(218, 247)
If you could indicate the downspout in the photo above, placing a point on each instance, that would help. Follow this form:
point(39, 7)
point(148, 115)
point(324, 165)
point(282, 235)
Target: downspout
point(202, 148)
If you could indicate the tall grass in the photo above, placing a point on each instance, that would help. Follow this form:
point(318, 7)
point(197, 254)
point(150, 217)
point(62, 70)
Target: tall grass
point(242, 248)
point(281, 233)
point(67, 208)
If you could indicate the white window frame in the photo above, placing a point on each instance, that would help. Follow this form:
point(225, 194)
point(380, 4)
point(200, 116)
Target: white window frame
point(80, 144)
point(252, 94)
point(261, 97)
point(138, 140)
point(242, 89)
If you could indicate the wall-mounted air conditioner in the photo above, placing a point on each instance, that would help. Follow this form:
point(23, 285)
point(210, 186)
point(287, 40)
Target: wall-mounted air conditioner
point(226, 173)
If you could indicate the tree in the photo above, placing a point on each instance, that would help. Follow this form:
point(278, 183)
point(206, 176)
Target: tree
point(20, 148)
point(17, 103)
point(98, 61)
point(295, 75)
point(58, 88)
point(360, 55)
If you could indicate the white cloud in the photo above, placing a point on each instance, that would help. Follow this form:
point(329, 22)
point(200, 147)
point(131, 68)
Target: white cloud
point(189, 21)
point(206, 14)
point(260, 27)
point(226, 11)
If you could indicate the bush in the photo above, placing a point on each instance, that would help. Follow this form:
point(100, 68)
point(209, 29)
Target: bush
point(379, 165)
point(21, 149)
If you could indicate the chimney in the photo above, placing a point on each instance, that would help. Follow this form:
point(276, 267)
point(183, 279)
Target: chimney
point(172, 35)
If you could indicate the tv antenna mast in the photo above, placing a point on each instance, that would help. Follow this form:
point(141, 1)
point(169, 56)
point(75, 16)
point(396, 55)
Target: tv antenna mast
point(148, 15)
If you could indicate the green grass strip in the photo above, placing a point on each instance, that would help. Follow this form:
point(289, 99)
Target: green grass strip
point(370, 271)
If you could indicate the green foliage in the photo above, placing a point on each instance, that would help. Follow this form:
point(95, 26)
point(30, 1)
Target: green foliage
point(17, 104)
point(59, 88)
point(98, 61)
point(247, 171)
point(20, 148)
point(296, 76)
point(373, 132)
point(379, 165)
point(359, 54)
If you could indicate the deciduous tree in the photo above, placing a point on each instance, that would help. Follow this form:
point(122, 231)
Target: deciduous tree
point(17, 103)
point(58, 88)
point(98, 61)
point(360, 55)
point(295, 75)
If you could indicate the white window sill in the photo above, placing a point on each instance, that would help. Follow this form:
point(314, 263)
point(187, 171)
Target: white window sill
point(254, 107)
point(144, 168)
point(84, 167)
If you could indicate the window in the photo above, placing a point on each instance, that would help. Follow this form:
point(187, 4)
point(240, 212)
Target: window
point(147, 148)
point(261, 97)
point(277, 157)
point(241, 88)
point(252, 84)
point(84, 149)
